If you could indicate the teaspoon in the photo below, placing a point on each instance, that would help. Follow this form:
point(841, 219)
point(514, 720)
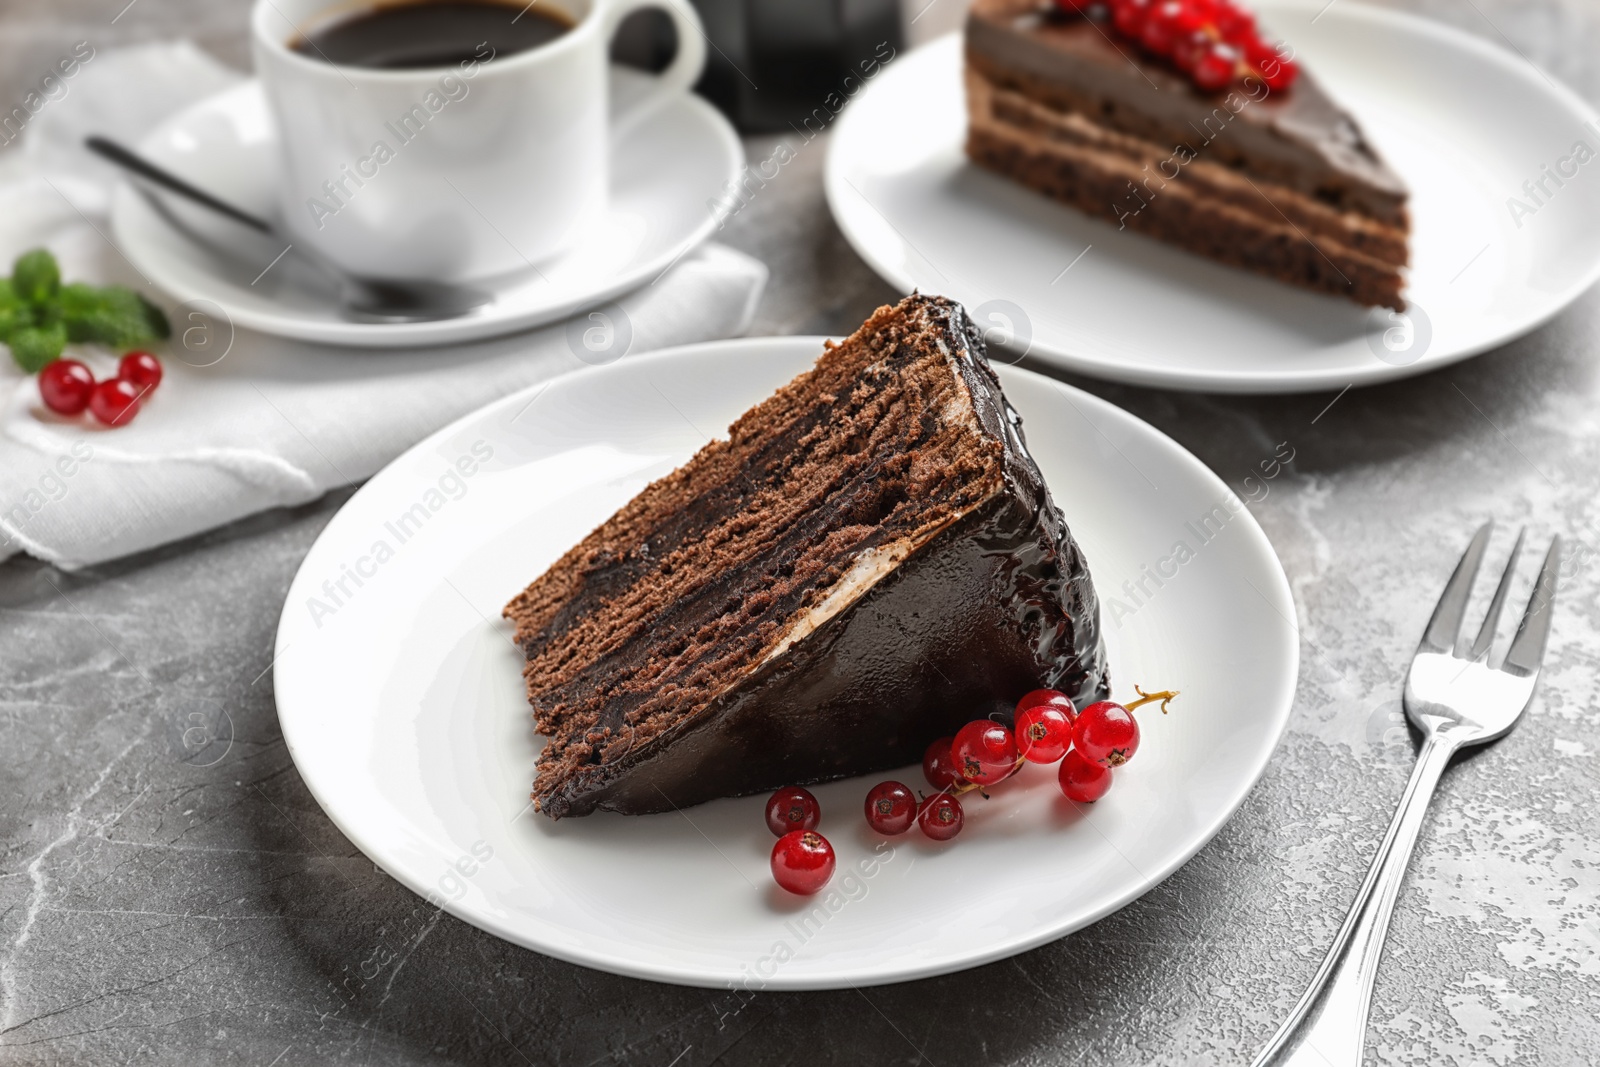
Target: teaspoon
point(363, 299)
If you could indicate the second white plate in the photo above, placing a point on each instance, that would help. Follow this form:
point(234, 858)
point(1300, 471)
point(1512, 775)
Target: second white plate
point(401, 699)
point(1466, 124)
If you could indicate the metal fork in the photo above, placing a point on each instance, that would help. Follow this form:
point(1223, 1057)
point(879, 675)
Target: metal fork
point(1455, 699)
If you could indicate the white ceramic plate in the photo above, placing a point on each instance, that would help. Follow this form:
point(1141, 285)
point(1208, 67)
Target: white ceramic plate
point(1463, 122)
point(401, 699)
point(663, 174)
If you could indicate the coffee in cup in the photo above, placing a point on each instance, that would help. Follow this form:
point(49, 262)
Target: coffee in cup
point(430, 33)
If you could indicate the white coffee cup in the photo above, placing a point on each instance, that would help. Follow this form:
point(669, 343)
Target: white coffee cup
point(488, 167)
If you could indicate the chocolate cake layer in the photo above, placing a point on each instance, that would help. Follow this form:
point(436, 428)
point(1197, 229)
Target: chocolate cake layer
point(1205, 208)
point(1280, 182)
point(869, 561)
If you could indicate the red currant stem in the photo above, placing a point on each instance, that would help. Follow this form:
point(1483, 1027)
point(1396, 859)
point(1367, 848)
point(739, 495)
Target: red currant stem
point(967, 787)
point(1165, 696)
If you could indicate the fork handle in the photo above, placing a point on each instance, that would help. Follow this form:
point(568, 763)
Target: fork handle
point(1328, 1027)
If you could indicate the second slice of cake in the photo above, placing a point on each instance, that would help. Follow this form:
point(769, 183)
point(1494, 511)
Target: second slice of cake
point(871, 560)
point(1281, 182)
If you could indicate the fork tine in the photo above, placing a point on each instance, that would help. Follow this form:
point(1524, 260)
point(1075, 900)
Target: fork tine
point(1527, 649)
point(1445, 626)
point(1480, 647)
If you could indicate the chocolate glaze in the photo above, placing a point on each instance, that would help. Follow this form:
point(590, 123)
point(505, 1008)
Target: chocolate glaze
point(1299, 137)
point(996, 604)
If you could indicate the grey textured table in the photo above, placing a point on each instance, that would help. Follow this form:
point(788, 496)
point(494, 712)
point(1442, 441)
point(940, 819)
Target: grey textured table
point(153, 911)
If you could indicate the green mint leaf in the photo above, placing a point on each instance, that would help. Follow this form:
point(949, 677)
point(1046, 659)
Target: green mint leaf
point(33, 347)
point(36, 278)
point(39, 315)
point(86, 313)
point(155, 321)
point(14, 314)
point(113, 316)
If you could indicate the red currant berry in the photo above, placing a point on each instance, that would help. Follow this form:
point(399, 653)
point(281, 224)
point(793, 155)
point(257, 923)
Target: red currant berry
point(984, 751)
point(141, 370)
point(1082, 780)
point(791, 809)
point(1074, 7)
point(940, 817)
point(891, 808)
point(1278, 72)
point(1045, 696)
point(939, 766)
point(1282, 77)
point(1128, 16)
point(1167, 21)
point(1259, 53)
point(1044, 732)
point(1190, 49)
point(65, 385)
point(114, 402)
point(1216, 67)
point(1106, 733)
point(802, 861)
point(1234, 23)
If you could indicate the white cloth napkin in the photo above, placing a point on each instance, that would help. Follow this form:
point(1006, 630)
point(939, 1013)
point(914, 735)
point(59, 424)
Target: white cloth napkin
point(276, 422)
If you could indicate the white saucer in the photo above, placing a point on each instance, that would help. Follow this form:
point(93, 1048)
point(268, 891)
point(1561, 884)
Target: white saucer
point(404, 709)
point(664, 172)
point(1464, 123)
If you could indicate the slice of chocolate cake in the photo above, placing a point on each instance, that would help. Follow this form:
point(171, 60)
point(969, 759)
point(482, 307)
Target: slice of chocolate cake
point(1278, 181)
point(869, 561)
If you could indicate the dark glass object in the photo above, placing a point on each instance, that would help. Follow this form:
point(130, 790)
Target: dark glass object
point(775, 63)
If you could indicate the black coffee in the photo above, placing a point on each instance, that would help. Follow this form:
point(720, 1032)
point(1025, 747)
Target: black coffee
point(432, 33)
